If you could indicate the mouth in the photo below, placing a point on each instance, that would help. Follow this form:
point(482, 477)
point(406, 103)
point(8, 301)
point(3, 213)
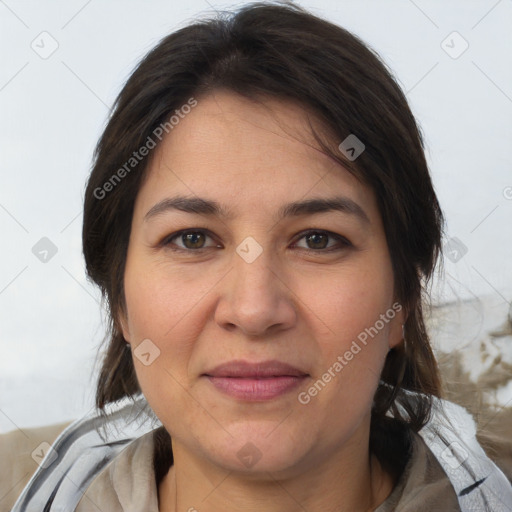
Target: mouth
point(255, 381)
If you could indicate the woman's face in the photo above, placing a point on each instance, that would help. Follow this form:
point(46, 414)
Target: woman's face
point(261, 277)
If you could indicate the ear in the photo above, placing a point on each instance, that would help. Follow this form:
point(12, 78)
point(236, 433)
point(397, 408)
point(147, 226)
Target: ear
point(122, 323)
point(396, 335)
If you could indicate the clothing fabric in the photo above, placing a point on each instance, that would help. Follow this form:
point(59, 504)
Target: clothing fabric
point(109, 467)
point(19, 451)
point(128, 483)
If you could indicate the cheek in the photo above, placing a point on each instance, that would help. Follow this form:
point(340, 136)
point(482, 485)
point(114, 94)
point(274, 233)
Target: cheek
point(353, 312)
point(154, 313)
point(350, 300)
point(166, 307)
point(159, 299)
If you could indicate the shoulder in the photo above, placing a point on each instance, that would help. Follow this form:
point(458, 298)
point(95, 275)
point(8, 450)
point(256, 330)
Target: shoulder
point(83, 451)
point(127, 482)
point(422, 484)
point(477, 480)
point(447, 469)
point(21, 452)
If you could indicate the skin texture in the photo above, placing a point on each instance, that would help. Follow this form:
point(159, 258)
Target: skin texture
point(211, 306)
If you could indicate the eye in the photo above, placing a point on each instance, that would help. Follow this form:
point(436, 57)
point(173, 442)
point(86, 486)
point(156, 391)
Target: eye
point(317, 241)
point(192, 239)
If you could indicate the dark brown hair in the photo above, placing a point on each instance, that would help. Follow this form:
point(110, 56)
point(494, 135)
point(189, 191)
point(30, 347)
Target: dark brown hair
point(284, 52)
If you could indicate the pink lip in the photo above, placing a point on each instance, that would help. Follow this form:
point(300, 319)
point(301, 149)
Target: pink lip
point(255, 381)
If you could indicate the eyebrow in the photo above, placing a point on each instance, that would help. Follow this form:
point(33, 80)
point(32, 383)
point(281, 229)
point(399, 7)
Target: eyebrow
point(212, 208)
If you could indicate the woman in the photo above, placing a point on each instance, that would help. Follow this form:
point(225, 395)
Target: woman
point(261, 220)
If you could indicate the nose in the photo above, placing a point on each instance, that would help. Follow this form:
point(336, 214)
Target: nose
point(255, 297)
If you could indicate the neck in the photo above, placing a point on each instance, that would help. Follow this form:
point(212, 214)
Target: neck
point(343, 486)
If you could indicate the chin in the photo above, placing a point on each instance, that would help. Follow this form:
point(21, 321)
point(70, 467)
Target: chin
point(257, 448)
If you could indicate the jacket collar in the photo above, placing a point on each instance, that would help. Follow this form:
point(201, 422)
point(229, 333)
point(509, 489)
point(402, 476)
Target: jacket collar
point(127, 482)
point(83, 451)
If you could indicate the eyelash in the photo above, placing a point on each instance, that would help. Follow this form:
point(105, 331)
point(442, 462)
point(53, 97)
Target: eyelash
point(167, 241)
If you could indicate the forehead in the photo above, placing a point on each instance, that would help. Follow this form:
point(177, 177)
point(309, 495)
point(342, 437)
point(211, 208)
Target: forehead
point(247, 153)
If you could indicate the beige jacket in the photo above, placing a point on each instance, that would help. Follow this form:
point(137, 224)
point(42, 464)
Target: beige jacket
point(127, 483)
point(20, 452)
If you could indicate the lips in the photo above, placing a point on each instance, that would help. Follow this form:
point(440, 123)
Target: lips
point(265, 369)
point(255, 381)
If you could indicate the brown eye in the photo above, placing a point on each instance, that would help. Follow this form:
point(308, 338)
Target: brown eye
point(319, 241)
point(190, 240)
point(193, 240)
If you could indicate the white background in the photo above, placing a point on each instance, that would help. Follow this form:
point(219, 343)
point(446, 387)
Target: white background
point(53, 110)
